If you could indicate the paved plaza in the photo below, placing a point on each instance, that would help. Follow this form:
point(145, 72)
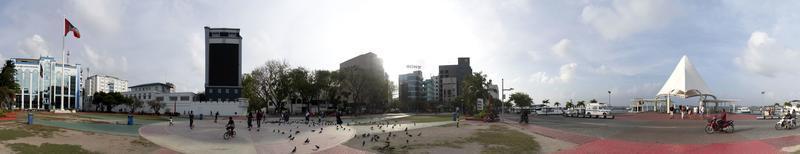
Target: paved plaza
point(207, 136)
point(648, 135)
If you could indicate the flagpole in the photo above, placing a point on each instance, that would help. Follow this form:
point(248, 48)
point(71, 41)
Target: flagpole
point(63, 64)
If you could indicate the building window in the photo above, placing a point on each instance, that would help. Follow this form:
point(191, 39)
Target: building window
point(227, 91)
point(173, 98)
point(184, 98)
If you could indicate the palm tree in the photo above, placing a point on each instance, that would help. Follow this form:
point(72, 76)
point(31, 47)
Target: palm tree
point(557, 104)
point(787, 104)
point(545, 102)
point(569, 105)
point(581, 104)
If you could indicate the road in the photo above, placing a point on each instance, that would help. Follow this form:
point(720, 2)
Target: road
point(658, 131)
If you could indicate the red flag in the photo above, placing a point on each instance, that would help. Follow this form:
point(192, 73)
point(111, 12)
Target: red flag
point(69, 27)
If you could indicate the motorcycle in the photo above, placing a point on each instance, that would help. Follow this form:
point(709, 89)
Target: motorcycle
point(715, 125)
point(785, 123)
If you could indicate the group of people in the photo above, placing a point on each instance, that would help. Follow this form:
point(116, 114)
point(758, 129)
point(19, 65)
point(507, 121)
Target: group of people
point(684, 111)
point(259, 116)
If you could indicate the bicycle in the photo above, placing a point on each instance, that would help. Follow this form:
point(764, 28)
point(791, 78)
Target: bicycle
point(230, 133)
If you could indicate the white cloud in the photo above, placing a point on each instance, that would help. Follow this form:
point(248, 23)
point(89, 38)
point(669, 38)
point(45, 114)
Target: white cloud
point(34, 46)
point(562, 47)
point(565, 75)
point(196, 48)
point(624, 18)
point(105, 63)
point(106, 15)
point(767, 57)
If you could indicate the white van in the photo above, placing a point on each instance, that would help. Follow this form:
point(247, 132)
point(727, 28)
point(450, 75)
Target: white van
point(598, 109)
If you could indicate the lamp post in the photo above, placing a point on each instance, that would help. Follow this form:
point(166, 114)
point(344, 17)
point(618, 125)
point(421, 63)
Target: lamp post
point(609, 98)
point(503, 97)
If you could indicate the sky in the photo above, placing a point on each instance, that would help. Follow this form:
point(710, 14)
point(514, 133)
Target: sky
point(557, 50)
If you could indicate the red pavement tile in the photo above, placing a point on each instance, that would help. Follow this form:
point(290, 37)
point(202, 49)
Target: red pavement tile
point(10, 116)
point(780, 142)
point(557, 134)
point(664, 116)
point(617, 146)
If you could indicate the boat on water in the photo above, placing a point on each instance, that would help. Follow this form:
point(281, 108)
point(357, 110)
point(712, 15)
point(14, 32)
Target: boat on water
point(743, 109)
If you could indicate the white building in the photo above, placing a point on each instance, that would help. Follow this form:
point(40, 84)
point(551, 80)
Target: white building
point(46, 84)
point(104, 83)
point(180, 102)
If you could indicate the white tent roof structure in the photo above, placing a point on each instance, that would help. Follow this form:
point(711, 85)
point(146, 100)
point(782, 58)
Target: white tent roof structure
point(684, 81)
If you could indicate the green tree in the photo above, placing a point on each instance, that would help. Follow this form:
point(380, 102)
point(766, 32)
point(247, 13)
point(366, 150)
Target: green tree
point(474, 87)
point(521, 99)
point(156, 106)
point(557, 104)
point(787, 104)
point(545, 102)
point(581, 104)
point(569, 105)
point(593, 101)
point(133, 104)
point(8, 87)
point(321, 83)
point(301, 85)
point(268, 85)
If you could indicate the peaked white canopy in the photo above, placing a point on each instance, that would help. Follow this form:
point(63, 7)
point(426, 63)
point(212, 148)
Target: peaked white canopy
point(684, 81)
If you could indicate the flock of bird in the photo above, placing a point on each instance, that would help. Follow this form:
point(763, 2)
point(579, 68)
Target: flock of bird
point(383, 126)
point(315, 128)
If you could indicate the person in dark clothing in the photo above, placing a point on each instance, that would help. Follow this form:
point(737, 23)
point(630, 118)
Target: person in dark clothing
point(216, 116)
point(249, 121)
point(191, 120)
point(258, 120)
point(338, 118)
point(230, 126)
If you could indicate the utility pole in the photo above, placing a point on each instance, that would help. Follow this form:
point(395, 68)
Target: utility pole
point(503, 97)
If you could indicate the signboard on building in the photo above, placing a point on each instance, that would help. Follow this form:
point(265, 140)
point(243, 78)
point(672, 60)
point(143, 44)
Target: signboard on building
point(480, 104)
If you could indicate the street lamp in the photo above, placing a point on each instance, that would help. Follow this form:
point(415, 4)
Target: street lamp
point(609, 98)
point(503, 95)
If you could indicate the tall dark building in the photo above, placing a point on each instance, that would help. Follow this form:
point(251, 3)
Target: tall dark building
point(451, 78)
point(223, 64)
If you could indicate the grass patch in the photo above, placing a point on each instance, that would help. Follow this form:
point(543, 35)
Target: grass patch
point(24, 148)
point(41, 130)
point(143, 142)
point(499, 139)
point(11, 134)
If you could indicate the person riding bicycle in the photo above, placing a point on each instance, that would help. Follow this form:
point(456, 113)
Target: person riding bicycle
point(230, 126)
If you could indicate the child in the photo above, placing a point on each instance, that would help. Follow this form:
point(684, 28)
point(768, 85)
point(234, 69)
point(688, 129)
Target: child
point(170, 120)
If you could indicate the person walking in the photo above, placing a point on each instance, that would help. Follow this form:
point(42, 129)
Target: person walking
point(307, 114)
point(259, 115)
point(338, 118)
point(249, 121)
point(682, 110)
point(191, 120)
point(671, 112)
point(216, 116)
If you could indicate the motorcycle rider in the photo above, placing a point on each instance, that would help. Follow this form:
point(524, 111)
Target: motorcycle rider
point(789, 116)
point(722, 118)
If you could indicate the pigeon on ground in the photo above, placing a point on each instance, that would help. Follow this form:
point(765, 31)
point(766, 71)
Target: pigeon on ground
point(307, 141)
point(295, 149)
point(363, 142)
point(420, 134)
